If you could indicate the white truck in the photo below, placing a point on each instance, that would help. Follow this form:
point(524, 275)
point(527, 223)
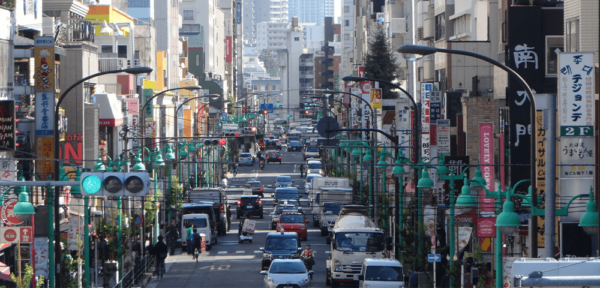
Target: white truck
point(381, 273)
point(354, 238)
point(330, 190)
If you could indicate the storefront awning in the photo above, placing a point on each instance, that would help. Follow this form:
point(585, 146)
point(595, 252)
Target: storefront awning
point(5, 272)
point(109, 112)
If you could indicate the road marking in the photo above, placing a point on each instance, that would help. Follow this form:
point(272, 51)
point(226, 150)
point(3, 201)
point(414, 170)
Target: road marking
point(258, 252)
point(224, 267)
point(240, 252)
point(327, 252)
point(211, 267)
point(222, 252)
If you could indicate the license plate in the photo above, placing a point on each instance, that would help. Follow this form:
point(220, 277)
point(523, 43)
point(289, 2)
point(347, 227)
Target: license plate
point(249, 207)
point(288, 286)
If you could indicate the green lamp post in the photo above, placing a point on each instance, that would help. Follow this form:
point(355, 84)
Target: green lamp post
point(381, 166)
point(368, 159)
point(398, 173)
point(589, 219)
point(424, 185)
point(356, 157)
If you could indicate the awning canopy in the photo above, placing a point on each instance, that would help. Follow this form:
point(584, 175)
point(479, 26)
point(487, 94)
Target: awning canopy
point(109, 112)
point(5, 272)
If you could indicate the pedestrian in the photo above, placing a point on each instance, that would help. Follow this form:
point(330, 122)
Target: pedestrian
point(173, 235)
point(414, 279)
point(309, 258)
point(189, 231)
point(228, 216)
point(160, 252)
point(301, 170)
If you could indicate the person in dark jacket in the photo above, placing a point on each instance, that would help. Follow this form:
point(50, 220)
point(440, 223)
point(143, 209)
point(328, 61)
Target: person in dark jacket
point(414, 279)
point(160, 252)
point(173, 235)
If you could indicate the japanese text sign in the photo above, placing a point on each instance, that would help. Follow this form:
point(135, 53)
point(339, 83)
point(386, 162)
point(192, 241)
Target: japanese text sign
point(376, 98)
point(44, 113)
point(443, 136)
point(576, 93)
point(486, 227)
point(44, 64)
point(23, 234)
point(7, 125)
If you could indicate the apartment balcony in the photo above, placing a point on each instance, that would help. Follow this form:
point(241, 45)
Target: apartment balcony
point(77, 30)
point(108, 64)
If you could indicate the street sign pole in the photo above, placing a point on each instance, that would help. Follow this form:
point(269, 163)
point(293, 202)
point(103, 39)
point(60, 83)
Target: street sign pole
point(433, 252)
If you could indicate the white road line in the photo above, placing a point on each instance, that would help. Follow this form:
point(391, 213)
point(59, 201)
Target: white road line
point(222, 252)
point(240, 252)
point(327, 252)
point(258, 252)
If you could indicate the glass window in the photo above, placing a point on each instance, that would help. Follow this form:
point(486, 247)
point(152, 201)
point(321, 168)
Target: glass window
point(280, 243)
point(314, 165)
point(359, 241)
point(284, 179)
point(287, 267)
point(188, 14)
point(572, 36)
point(195, 223)
point(334, 208)
point(440, 26)
point(346, 9)
point(384, 273)
point(291, 219)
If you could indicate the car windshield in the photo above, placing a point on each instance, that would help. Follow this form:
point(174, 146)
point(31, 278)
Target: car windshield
point(312, 149)
point(384, 273)
point(295, 267)
point(334, 208)
point(281, 243)
point(291, 219)
point(294, 143)
point(359, 241)
point(316, 165)
point(195, 223)
point(245, 155)
point(310, 177)
point(284, 179)
point(255, 184)
point(280, 209)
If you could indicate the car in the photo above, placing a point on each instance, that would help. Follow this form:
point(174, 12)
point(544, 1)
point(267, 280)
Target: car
point(273, 156)
point(281, 208)
point(293, 222)
point(314, 167)
point(273, 144)
point(294, 146)
point(287, 273)
point(311, 152)
point(282, 245)
point(251, 205)
point(246, 159)
point(285, 194)
point(283, 181)
point(308, 182)
point(257, 188)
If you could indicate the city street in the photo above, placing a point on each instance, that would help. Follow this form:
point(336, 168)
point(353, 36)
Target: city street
point(230, 264)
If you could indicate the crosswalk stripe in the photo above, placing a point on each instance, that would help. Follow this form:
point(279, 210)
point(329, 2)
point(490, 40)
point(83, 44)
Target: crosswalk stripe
point(240, 252)
point(222, 252)
point(327, 252)
point(257, 251)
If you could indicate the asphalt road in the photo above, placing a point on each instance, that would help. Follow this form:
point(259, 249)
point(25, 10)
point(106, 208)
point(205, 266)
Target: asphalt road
point(231, 264)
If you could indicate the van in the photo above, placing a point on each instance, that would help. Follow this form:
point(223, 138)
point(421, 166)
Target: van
point(201, 222)
point(280, 245)
point(381, 273)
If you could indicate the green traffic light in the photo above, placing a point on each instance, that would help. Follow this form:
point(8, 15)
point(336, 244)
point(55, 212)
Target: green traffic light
point(288, 116)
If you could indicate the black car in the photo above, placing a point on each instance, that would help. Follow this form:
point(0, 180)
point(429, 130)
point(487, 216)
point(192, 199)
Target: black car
point(273, 144)
point(257, 188)
point(282, 245)
point(273, 156)
point(250, 205)
point(294, 146)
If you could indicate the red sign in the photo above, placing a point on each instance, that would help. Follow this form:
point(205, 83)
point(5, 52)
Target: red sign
point(466, 219)
point(23, 234)
point(486, 152)
point(433, 134)
point(10, 235)
point(26, 234)
point(486, 227)
point(110, 122)
point(229, 47)
point(8, 215)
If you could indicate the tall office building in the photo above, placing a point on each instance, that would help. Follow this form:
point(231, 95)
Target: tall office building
point(311, 11)
point(279, 11)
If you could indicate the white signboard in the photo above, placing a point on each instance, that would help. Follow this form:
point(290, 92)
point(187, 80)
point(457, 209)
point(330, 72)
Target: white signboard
point(41, 256)
point(150, 129)
point(366, 111)
point(403, 125)
point(576, 93)
point(23, 234)
point(443, 136)
point(229, 127)
point(577, 151)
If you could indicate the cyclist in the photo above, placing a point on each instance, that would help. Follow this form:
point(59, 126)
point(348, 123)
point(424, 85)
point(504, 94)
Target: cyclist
point(197, 240)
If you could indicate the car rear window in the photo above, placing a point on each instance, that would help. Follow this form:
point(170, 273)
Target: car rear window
point(312, 149)
point(249, 200)
point(195, 223)
point(284, 179)
point(255, 184)
point(294, 143)
point(245, 155)
point(291, 219)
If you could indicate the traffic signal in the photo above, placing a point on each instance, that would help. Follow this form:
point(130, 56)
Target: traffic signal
point(211, 142)
point(253, 129)
point(265, 112)
point(306, 112)
point(288, 115)
point(222, 142)
point(134, 184)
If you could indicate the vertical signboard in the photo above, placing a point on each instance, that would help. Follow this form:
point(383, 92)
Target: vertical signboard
point(238, 10)
point(527, 59)
point(426, 89)
point(455, 164)
point(45, 150)
point(403, 126)
point(376, 98)
point(540, 167)
point(435, 106)
point(443, 136)
point(576, 93)
point(44, 113)
point(229, 48)
point(366, 112)
point(150, 107)
point(486, 159)
point(44, 64)
point(7, 125)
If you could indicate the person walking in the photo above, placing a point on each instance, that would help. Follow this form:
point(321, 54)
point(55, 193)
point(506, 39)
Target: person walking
point(160, 252)
point(414, 279)
point(189, 231)
point(172, 236)
point(301, 170)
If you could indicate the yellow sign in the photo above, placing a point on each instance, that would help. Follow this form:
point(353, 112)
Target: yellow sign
point(45, 150)
point(376, 98)
point(44, 64)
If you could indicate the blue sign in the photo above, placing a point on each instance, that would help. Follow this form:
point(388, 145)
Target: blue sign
point(239, 12)
point(268, 107)
point(44, 113)
point(435, 111)
point(434, 257)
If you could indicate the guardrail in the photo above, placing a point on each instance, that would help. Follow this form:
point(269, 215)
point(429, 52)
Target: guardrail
point(133, 276)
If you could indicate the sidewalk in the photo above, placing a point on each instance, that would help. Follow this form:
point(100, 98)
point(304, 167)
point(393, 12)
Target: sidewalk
point(153, 281)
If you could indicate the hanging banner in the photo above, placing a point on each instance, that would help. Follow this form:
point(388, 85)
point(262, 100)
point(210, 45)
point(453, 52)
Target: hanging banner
point(486, 227)
point(44, 64)
point(540, 168)
point(238, 10)
point(45, 150)
point(376, 101)
point(149, 113)
point(41, 256)
point(486, 154)
point(229, 48)
point(576, 93)
point(443, 136)
point(150, 129)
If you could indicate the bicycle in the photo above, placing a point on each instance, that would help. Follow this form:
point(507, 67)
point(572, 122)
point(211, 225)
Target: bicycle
point(196, 254)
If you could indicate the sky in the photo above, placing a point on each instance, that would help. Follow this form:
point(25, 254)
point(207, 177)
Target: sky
point(338, 11)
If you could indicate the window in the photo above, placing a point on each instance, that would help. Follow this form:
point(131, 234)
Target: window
point(346, 9)
point(188, 14)
point(461, 25)
point(346, 23)
point(346, 37)
point(106, 49)
point(572, 35)
point(440, 26)
point(122, 51)
point(296, 38)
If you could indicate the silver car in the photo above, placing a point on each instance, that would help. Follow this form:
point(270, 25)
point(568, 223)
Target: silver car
point(283, 272)
point(246, 159)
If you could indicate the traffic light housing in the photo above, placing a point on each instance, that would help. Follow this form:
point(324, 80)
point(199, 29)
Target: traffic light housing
point(134, 184)
point(265, 112)
point(211, 142)
point(306, 112)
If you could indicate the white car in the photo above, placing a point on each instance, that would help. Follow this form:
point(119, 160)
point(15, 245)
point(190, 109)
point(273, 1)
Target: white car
point(284, 272)
point(201, 223)
point(308, 183)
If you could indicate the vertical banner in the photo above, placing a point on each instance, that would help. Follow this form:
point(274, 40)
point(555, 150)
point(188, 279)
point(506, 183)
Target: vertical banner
point(238, 11)
point(376, 98)
point(45, 150)
point(41, 256)
point(187, 123)
point(576, 93)
point(426, 89)
point(366, 112)
point(44, 113)
point(229, 48)
point(149, 113)
point(403, 127)
point(540, 168)
point(44, 73)
point(8, 128)
point(443, 136)
point(486, 159)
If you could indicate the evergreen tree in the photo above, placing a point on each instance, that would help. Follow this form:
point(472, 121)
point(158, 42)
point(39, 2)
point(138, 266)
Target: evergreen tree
point(268, 61)
point(381, 62)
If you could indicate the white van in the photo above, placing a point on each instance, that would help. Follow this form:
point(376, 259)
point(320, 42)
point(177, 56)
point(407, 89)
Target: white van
point(201, 223)
point(381, 273)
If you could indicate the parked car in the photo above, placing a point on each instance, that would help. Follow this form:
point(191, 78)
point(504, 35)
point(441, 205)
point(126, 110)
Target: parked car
point(246, 159)
point(257, 188)
point(293, 222)
point(251, 205)
point(283, 181)
point(283, 245)
point(294, 146)
point(287, 273)
point(273, 156)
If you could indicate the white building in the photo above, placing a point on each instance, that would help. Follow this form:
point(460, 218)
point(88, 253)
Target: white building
point(279, 11)
point(313, 36)
point(271, 36)
point(311, 11)
point(168, 22)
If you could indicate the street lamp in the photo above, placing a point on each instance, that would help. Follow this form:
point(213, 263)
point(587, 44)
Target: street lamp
point(398, 173)
point(414, 52)
point(589, 219)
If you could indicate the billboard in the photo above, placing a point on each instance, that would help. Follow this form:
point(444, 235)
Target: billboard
point(229, 49)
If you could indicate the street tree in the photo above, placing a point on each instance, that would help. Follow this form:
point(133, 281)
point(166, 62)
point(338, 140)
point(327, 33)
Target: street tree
point(381, 62)
point(268, 61)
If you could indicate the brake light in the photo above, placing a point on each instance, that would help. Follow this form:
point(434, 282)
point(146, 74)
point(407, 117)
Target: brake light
point(239, 203)
point(279, 157)
point(222, 210)
point(259, 202)
point(259, 189)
